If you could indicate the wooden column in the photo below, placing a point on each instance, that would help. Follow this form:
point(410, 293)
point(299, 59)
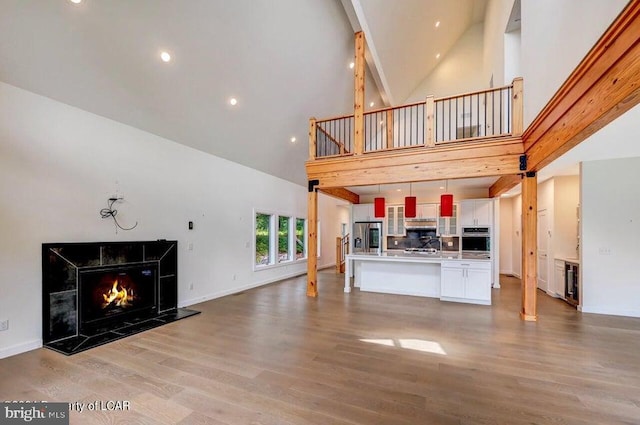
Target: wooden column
point(312, 139)
point(429, 128)
point(390, 129)
point(358, 104)
point(517, 108)
point(312, 240)
point(529, 246)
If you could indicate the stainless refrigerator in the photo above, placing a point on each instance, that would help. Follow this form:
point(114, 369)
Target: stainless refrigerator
point(367, 237)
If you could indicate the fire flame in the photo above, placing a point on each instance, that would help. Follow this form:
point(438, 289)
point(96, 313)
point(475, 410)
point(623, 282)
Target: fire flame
point(118, 298)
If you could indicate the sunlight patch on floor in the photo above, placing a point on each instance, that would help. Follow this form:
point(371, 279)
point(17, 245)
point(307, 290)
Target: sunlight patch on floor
point(409, 344)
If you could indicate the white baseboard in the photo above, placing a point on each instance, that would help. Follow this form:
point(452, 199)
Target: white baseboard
point(20, 348)
point(610, 311)
point(220, 294)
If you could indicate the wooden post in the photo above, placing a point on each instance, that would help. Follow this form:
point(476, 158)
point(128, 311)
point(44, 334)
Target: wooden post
point(358, 104)
point(529, 246)
point(390, 129)
point(312, 139)
point(517, 108)
point(429, 128)
point(312, 241)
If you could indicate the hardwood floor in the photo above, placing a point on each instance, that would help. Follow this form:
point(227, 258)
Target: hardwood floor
point(273, 356)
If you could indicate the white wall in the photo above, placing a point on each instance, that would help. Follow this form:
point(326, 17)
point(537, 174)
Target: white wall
point(496, 18)
point(610, 228)
point(506, 235)
point(457, 71)
point(512, 55)
point(517, 236)
point(556, 35)
point(566, 200)
point(58, 166)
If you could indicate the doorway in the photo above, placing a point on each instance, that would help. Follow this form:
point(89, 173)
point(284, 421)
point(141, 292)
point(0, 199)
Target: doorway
point(543, 246)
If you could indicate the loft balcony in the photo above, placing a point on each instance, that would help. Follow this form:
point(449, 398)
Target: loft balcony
point(473, 134)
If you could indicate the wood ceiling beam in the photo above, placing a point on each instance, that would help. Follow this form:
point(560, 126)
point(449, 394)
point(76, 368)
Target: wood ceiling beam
point(504, 184)
point(604, 86)
point(342, 193)
point(434, 170)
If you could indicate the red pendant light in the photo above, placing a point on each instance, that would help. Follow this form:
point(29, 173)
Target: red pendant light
point(446, 203)
point(410, 206)
point(378, 207)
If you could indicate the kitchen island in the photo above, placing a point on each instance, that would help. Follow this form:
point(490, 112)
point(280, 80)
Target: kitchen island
point(449, 277)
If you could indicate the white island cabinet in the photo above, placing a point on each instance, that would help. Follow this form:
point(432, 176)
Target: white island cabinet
point(466, 281)
point(448, 277)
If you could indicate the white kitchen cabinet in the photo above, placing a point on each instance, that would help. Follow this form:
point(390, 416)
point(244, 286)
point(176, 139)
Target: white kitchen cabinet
point(452, 282)
point(558, 278)
point(395, 220)
point(427, 211)
point(448, 225)
point(476, 212)
point(467, 282)
point(363, 212)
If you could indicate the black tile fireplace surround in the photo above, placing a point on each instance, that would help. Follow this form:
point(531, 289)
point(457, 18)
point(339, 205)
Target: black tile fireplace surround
point(97, 292)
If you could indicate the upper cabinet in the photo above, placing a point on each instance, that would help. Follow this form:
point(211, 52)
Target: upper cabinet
point(363, 212)
point(448, 226)
point(476, 212)
point(427, 211)
point(395, 220)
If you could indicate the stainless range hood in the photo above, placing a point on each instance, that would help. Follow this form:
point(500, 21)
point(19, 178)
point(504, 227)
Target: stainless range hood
point(420, 223)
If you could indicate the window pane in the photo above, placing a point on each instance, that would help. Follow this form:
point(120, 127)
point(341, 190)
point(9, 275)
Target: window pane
point(262, 238)
point(301, 238)
point(283, 239)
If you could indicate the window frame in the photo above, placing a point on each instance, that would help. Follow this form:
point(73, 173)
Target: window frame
point(274, 254)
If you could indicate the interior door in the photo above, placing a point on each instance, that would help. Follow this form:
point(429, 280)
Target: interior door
point(543, 243)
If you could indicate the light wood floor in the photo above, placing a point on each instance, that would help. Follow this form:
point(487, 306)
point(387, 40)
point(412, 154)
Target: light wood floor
point(273, 356)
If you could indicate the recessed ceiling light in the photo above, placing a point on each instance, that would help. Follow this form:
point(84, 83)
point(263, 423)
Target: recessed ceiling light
point(293, 140)
point(442, 187)
point(76, 1)
point(438, 56)
point(233, 101)
point(371, 104)
point(398, 190)
point(351, 65)
point(166, 57)
point(437, 24)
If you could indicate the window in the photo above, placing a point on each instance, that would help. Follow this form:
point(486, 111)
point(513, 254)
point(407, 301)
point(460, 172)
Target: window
point(279, 239)
point(284, 242)
point(301, 238)
point(263, 239)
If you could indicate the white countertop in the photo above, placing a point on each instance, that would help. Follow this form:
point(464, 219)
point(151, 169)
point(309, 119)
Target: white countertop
point(574, 260)
point(422, 258)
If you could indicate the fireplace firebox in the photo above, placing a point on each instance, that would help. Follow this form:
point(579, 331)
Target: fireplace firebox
point(115, 294)
point(97, 292)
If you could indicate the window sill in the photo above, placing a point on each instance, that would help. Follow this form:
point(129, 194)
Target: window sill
point(257, 267)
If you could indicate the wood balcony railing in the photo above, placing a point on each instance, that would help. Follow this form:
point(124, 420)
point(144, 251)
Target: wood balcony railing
point(342, 249)
point(485, 114)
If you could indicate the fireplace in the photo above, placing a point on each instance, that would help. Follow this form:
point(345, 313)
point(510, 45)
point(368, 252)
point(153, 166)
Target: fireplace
point(115, 294)
point(94, 293)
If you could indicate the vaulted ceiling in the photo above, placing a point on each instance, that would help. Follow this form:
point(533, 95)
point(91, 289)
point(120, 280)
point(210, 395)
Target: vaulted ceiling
point(284, 61)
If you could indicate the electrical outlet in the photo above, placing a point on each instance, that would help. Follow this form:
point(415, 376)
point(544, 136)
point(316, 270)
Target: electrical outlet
point(4, 325)
point(191, 286)
point(190, 246)
point(234, 277)
point(605, 251)
point(395, 243)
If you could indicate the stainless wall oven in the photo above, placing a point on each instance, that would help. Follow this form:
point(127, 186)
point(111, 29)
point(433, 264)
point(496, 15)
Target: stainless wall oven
point(476, 239)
